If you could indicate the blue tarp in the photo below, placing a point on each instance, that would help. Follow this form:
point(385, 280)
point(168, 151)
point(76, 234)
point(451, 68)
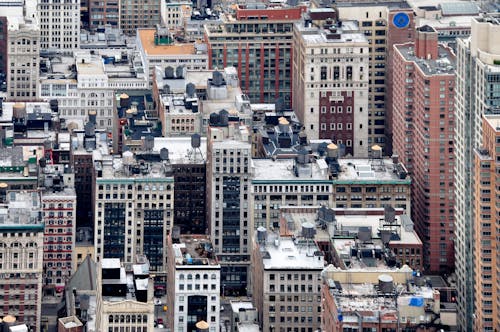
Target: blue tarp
point(416, 302)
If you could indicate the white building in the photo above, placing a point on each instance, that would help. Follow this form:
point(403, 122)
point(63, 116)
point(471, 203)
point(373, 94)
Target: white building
point(477, 83)
point(330, 84)
point(23, 55)
point(193, 284)
point(59, 25)
point(228, 190)
point(91, 84)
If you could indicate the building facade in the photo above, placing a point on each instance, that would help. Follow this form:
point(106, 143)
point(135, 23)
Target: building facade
point(228, 191)
point(377, 22)
point(133, 209)
point(478, 76)
point(59, 25)
point(258, 42)
point(21, 256)
point(23, 53)
point(287, 282)
point(330, 83)
point(485, 232)
point(424, 121)
point(193, 291)
point(59, 213)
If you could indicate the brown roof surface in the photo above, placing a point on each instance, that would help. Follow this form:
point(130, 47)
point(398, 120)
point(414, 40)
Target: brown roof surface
point(147, 40)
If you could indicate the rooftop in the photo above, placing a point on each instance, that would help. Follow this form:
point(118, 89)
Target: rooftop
point(444, 65)
point(286, 253)
point(236, 306)
point(344, 32)
point(147, 38)
point(370, 170)
point(21, 210)
point(194, 251)
point(288, 169)
point(132, 168)
point(180, 150)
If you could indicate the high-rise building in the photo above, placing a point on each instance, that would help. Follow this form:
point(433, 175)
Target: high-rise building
point(424, 122)
point(383, 24)
point(21, 255)
point(193, 288)
point(478, 77)
point(257, 40)
point(330, 83)
point(59, 213)
point(23, 59)
point(133, 209)
point(228, 192)
point(485, 232)
point(59, 25)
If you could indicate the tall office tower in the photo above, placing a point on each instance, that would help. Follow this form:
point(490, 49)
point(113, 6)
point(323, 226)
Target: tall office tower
point(330, 83)
point(102, 13)
point(133, 208)
point(478, 77)
point(23, 59)
point(486, 181)
point(21, 254)
point(384, 24)
point(258, 42)
point(424, 92)
point(228, 190)
point(59, 213)
point(59, 25)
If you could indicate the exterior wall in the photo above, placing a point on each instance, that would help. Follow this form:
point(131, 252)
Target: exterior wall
point(22, 276)
point(267, 198)
point(59, 238)
point(140, 14)
point(104, 12)
point(3, 44)
point(81, 252)
point(124, 229)
point(485, 232)
point(375, 21)
point(228, 190)
point(59, 25)
point(81, 163)
point(330, 102)
point(23, 53)
point(411, 255)
point(424, 121)
point(477, 78)
point(264, 63)
point(359, 194)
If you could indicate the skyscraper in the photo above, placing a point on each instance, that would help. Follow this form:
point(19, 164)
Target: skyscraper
point(423, 122)
point(477, 86)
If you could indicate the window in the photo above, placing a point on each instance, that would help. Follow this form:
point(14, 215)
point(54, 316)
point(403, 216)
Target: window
point(339, 109)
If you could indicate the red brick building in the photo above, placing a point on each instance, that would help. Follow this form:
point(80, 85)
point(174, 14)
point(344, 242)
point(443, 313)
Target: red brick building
point(423, 122)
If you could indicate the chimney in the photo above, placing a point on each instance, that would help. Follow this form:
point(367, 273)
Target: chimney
point(426, 43)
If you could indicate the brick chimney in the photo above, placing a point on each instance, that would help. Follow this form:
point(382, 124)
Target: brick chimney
point(426, 43)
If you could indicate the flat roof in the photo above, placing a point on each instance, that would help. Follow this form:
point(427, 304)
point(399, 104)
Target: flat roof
point(284, 253)
point(237, 305)
point(443, 65)
point(368, 170)
point(283, 170)
point(180, 150)
point(194, 251)
point(147, 40)
point(346, 33)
